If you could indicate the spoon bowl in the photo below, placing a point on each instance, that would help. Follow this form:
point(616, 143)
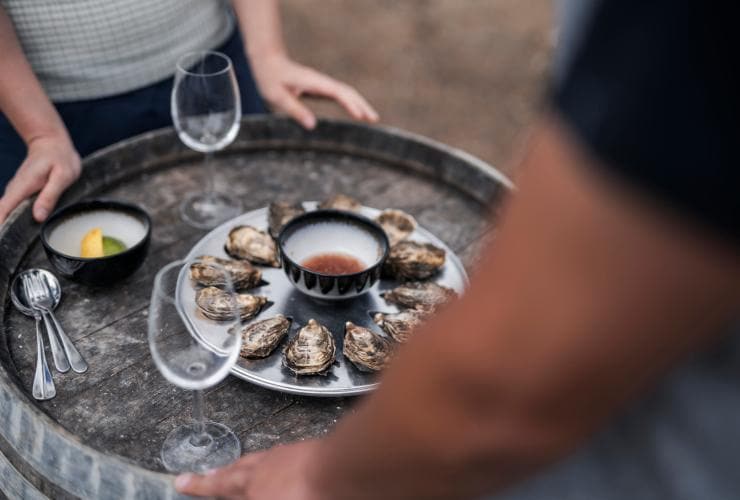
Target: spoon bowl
point(18, 295)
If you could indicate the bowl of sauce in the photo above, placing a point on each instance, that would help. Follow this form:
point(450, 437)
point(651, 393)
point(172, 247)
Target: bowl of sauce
point(332, 254)
point(97, 242)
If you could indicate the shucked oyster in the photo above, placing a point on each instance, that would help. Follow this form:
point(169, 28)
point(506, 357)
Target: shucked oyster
point(400, 325)
point(312, 351)
point(342, 202)
point(260, 338)
point(280, 213)
point(398, 225)
point(366, 349)
point(246, 242)
point(211, 271)
point(410, 260)
point(426, 296)
point(218, 305)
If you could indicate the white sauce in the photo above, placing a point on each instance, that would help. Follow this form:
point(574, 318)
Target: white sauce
point(67, 235)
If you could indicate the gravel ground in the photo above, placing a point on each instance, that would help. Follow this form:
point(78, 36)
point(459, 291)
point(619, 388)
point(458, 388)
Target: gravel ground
point(470, 73)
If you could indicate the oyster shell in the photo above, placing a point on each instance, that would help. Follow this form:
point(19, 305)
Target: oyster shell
point(260, 338)
point(425, 296)
point(242, 274)
point(367, 350)
point(400, 325)
point(249, 243)
point(280, 213)
point(217, 304)
point(312, 351)
point(410, 260)
point(398, 225)
point(342, 202)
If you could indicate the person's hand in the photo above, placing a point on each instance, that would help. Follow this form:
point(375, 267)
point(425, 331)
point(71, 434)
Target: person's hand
point(52, 164)
point(282, 82)
point(283, 472)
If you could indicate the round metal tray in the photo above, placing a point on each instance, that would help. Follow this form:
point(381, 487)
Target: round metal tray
point(343, 378)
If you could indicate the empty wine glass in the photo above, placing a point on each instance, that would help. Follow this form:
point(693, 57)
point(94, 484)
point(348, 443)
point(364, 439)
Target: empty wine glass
point(195, 359)
point(206, 109)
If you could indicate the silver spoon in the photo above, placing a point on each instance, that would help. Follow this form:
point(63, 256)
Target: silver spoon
point(47, 292)
point(43, 384)
point(21, 297)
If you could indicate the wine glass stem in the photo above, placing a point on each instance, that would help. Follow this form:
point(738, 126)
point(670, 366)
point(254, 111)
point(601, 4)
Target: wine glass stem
point(200, 438)
point(210, 174)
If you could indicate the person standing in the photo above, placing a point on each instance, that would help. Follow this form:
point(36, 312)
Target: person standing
point(618, 258)
point(80, 75)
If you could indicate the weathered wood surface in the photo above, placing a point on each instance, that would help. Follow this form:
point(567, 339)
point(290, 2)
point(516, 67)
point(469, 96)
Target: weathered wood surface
point(122, 407)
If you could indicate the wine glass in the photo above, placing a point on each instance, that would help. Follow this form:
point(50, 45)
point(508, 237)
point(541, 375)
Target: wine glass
point(195, 359)
point(206, 109)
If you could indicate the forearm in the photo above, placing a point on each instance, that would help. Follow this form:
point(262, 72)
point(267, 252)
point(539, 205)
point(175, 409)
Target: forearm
point(587, 297)
point(22, 99)
point(260, 24)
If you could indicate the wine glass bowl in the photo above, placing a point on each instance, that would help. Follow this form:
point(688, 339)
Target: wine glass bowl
point(206, 109)
point(190, 361)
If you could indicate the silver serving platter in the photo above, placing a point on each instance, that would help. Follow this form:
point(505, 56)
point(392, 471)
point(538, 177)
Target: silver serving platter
point(343, 379)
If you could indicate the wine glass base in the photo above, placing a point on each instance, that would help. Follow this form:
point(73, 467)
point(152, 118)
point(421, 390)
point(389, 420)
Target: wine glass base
point(220, 447)
point(208, 210)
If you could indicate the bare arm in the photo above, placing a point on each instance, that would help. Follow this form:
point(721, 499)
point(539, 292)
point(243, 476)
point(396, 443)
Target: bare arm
point(282, 81)
point(52, 163)
point(588, 295)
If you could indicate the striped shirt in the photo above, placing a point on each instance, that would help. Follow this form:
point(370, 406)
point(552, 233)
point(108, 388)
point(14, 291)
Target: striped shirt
point(86, 49)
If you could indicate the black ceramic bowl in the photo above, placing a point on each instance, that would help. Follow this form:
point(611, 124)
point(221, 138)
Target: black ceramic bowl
point(333, 236)
point(62, 233)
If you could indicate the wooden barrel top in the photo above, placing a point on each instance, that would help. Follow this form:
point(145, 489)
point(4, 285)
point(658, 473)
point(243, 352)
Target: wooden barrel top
point(100, 437)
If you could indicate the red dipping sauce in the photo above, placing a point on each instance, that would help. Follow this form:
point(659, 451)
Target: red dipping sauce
point(334, 264)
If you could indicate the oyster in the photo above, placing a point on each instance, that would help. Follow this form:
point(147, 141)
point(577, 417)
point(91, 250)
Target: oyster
point(367, 350)
point(398, 225)
point(400, 325)
point(410, 260)
point(218, 305)
point(342, 202)
point(427, 296)
point(260, 338)
point(247, 242)
point(311, 351)
point(211, 271)
point(280, 213)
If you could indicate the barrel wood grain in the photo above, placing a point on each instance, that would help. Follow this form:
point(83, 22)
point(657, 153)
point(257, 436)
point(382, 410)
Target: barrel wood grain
point(100, 437)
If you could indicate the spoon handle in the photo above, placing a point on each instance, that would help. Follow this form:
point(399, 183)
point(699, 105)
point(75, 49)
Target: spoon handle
point(43, 384)
point(78, 363)
point(57, 353)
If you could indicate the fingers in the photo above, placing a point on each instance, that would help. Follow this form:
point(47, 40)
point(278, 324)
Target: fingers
point(351, 100)
point(51, 166)
point(283, 82)
point(217, 484)
point(290, 104)
point(58, 181)
point(229, 481)
point(18, 189)
point(349, 94)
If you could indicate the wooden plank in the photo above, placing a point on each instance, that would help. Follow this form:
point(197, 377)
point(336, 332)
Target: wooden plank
point(14, 485)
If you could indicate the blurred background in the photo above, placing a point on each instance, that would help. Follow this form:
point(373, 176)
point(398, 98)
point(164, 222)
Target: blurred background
point(469, 73)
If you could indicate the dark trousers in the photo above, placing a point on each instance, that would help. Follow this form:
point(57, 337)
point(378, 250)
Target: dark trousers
point(96, 123)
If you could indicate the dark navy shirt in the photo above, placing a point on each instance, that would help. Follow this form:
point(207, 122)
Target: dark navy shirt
point(652, 87)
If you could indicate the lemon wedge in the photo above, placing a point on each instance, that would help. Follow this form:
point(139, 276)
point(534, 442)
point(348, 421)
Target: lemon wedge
point(92, 244)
